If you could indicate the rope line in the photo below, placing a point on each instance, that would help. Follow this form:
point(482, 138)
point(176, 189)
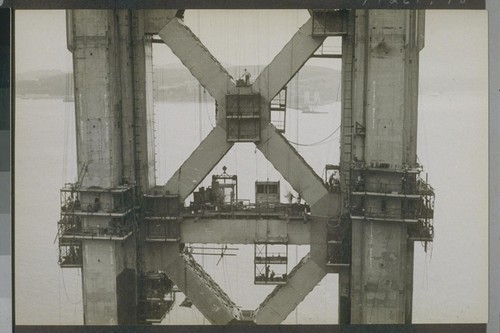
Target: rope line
point(316, 143)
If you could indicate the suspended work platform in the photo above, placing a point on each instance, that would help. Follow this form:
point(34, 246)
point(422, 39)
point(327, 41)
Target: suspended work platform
point(278, 111)
point(327, 22)
point(270, 262)
point(243, 117)
point(339, 242)
point(387, 193)
point(70, 253)
point(96, 213)
point(156, 297)
point(161, 216)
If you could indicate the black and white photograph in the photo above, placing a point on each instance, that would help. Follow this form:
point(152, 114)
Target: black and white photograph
point(222, 167)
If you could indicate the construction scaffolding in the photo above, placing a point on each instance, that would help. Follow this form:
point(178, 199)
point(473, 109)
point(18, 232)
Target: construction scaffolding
point(277, 108)
point(161, 216)
point(156, 297)
point(96, 213)
point(243, 117)
point(270, 262)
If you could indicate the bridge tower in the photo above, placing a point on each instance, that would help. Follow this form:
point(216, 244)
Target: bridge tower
point(129, 234)
point(388, 205)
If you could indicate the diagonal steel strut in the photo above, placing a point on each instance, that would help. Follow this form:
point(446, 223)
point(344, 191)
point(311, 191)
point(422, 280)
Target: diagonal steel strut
point(202, 290)
point(196, 57)
point(288, 62)
point(301, 280)
point(203, 159)
point(291, 165)
point(217, 81)
point(285, 298)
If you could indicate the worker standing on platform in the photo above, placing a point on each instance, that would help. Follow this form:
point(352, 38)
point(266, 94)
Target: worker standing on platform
point(331, 181)
point(180, 14)
point(246, 75)
point(289, 197)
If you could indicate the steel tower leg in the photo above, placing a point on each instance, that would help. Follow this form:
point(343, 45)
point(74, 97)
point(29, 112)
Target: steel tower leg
point(383, 102)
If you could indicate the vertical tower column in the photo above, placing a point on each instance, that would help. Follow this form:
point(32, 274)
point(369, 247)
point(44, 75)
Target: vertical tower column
point(111, 58)
point(92, 40)
point(379, 162)
point(142, 92)
point(346, 139)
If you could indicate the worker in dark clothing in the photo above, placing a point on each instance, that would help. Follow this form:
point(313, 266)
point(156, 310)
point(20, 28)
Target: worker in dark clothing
point(72, 254)
point(180, 14)
point(97, 205)
point(331, 181)
point(246, 75)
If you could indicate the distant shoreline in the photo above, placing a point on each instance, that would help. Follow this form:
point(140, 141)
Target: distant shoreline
point(314, 86)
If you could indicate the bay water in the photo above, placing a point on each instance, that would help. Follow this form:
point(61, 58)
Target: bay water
point(450, 281)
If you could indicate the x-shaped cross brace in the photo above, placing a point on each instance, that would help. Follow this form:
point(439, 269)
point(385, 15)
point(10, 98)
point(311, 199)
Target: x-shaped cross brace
point(275, 147)
point(219, 83)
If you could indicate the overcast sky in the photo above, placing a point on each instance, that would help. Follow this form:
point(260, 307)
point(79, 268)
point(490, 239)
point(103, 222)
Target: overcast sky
point(257, 37)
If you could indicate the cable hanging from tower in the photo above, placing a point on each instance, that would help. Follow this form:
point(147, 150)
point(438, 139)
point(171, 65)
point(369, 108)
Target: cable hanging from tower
point(61, 277)
point(316, 143)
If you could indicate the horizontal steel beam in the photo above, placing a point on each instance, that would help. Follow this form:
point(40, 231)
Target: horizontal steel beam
point(288, 62)
point(336, 56)
point(243, 231)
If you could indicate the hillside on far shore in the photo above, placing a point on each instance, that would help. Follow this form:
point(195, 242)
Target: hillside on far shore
point(316, 85)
